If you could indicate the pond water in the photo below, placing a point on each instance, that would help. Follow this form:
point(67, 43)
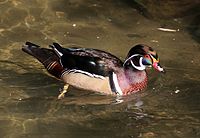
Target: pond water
point(168, 108)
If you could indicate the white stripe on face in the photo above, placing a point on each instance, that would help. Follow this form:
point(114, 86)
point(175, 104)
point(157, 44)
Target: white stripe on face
point(141, 67)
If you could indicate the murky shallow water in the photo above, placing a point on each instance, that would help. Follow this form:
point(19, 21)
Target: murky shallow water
point(168, 108)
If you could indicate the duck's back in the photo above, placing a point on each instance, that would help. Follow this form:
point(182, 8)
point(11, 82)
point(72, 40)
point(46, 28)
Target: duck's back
point(93, 61)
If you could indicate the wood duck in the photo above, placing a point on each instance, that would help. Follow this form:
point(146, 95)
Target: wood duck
point(97, 70)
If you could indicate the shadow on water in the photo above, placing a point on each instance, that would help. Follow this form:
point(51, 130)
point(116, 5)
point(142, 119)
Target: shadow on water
point(169, 107)
point(194, 28)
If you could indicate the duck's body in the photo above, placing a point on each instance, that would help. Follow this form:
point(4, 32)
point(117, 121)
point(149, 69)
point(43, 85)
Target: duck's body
point(95, 70)
point(108, 84)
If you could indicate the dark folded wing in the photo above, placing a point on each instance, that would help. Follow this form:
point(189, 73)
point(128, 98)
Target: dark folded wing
point(93, 61)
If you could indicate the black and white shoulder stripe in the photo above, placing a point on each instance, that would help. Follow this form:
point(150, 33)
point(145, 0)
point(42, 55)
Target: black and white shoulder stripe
point(83, 72)
point(114, 84)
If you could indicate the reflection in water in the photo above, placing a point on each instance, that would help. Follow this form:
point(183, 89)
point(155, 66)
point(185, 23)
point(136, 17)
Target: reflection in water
point(169, 107)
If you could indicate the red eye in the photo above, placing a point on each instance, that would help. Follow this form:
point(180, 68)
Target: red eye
point(146, 56)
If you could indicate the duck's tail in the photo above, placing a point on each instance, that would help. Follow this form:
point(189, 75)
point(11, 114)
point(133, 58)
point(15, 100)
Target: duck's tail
point(47, 57)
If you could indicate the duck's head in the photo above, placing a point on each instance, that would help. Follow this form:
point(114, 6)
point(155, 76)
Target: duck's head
point(142, 56)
